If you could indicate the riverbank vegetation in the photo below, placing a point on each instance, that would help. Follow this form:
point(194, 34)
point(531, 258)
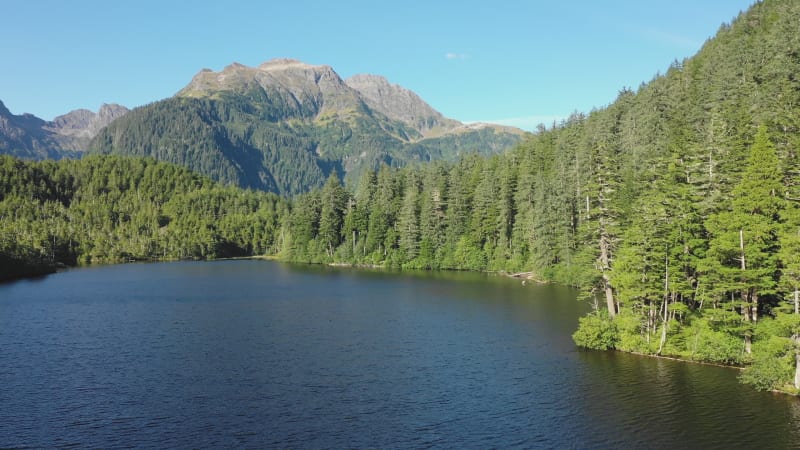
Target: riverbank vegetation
point(675, 210)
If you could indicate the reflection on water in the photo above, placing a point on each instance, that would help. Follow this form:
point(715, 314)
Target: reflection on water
point(261, 354)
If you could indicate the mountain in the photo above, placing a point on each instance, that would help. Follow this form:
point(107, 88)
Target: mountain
point(285, 126)
point(76, 129)
point(401, 104)
point(27, 136)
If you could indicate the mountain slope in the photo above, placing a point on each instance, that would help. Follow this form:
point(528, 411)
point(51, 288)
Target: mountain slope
point(76, 129)
point(27, 136)
point(401, 104)
point(284, 126)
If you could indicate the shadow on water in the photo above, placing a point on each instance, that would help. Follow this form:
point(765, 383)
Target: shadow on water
point(661, 403)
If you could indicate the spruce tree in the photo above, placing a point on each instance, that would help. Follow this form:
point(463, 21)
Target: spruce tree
point(333, 202)
point(742, 257)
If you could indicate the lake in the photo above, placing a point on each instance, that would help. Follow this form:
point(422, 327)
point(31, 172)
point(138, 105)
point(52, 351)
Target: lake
point(262, 354)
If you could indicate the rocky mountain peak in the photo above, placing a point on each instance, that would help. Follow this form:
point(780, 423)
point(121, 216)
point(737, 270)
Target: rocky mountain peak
point(85, 120)
point(284, 64)
point(111, 111)
point(75, 129)
point(306, 89)
point(399, 103)
point(75, 119)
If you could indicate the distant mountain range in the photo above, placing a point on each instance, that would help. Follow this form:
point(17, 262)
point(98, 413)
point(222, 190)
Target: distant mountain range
point(27, 136)
point(283, 126)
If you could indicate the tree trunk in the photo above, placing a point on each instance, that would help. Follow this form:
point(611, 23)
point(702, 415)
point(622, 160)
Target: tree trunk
point(796, 341)
point(612, 309)
point(747, 318)
point(748, 310)
point(604, 262)
point(663, 327)
point(666, 306)
point(754, 307)
point(741, 248)
point(797, 366)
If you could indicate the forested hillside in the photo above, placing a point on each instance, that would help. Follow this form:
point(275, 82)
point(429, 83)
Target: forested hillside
point(107, 209)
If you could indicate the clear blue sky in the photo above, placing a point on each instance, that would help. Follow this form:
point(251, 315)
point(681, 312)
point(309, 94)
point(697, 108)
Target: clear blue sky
point(517, 62)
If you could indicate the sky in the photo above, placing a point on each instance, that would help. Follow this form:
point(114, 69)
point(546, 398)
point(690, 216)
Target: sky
point(518, 63)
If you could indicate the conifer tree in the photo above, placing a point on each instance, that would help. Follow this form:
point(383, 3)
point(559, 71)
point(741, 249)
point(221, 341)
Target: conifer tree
point(408, 219)
point(333, 202)
point(742, 255)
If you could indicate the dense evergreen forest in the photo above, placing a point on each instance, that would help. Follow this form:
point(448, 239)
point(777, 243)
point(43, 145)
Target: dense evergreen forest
point(675, 210)
point(111, 209)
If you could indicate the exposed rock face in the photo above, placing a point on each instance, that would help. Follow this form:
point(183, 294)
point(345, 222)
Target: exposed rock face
point(399, 103)
point(306, 90)
point(301, 90)
point(24, 136)
point(28, 136)
point(74, 130)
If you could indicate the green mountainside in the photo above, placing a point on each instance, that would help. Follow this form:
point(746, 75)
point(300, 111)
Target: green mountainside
point(285, 126)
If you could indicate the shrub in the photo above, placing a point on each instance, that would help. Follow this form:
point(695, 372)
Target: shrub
point(597, 332)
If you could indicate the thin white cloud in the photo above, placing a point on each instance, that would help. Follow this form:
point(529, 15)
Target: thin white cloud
point(668, 38)
point(528, 123)
point(452, 56)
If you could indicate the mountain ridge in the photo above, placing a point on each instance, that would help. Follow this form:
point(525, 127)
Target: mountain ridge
point(316, 88)
point(68, 135)
point(285, 126)
point(399, 103)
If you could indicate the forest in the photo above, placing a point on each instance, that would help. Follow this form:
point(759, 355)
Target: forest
point(112, 209)
point(675, 210)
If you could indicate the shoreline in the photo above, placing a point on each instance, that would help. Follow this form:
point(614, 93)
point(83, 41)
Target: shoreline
point(704, 363)
point(675, 358)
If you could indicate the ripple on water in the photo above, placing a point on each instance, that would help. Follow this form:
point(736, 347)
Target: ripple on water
point(255, 354)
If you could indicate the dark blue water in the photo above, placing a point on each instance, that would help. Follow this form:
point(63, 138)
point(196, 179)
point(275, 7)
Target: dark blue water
point(259, 354)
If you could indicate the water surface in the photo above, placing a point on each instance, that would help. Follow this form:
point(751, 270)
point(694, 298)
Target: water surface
point(261, 354)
